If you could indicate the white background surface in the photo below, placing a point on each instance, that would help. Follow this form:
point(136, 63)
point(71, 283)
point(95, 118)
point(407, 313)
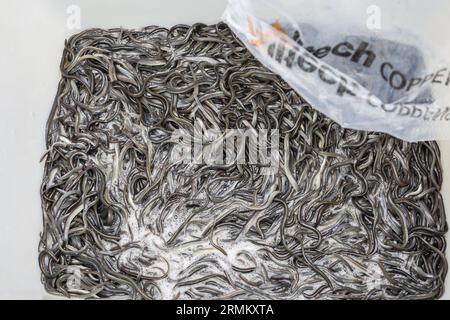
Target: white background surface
point(32, 36)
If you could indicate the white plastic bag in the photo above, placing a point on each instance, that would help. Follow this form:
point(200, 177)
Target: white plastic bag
point(381, 65)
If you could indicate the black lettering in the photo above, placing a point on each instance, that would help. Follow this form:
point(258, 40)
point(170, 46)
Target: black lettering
point(427, 78)
point(297, 38)
point(280, 52)
point(343, 53)
point(383, 66)
point(384, 107)
point(290, 58)
point(310, 49)
point(404, 110)
point(344, 88)
point(441, 114)
point(304, 65)
point(402, 78)
point(416, 112)
point(323, 72)
point(362, 51)
point(427, 113)
point(437, 75)
point(322, 52)
point(370, 101)
point(447, 115)
point(271, 49)
point(414, 82)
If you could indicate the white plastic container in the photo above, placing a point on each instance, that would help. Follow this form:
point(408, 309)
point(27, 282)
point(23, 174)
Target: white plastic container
point(33, 34)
